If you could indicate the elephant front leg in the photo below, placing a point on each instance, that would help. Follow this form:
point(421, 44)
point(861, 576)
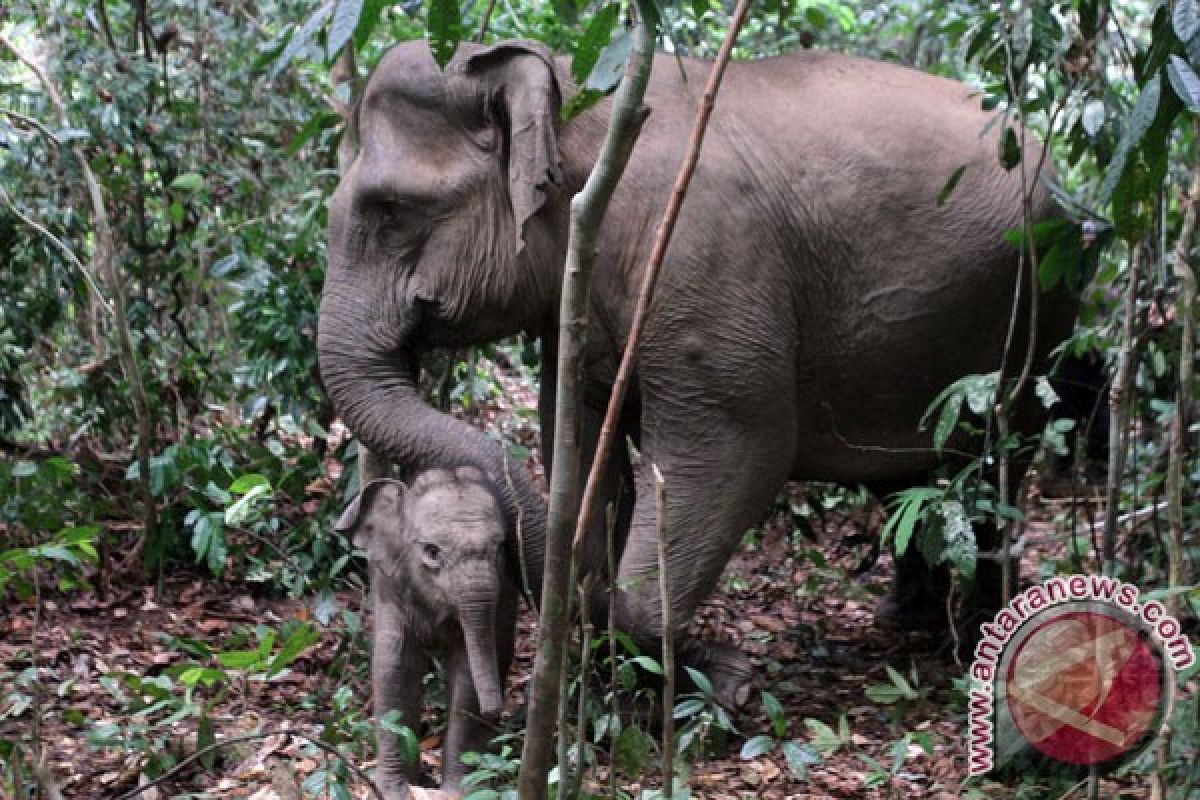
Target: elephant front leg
point(720, 473)
point(399, 662)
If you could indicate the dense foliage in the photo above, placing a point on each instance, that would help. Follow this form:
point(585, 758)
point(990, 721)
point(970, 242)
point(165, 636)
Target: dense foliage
point(215, 128)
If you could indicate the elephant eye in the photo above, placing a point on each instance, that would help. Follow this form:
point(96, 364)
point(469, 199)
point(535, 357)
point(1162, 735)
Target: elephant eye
point(432, 555)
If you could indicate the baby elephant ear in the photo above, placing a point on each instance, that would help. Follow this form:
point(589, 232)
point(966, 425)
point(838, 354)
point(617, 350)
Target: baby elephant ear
point(382, 496)
point(521, 79)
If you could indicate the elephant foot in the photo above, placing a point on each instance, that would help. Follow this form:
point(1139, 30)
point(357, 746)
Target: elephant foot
point(908, 610)
point(729, 670)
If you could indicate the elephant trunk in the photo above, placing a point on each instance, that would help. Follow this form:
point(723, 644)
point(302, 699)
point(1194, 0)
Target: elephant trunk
point(477, 615)
point(369, 362)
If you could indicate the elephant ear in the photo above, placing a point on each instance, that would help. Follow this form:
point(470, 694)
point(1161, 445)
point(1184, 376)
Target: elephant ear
point(374, 518)
point(521, 77)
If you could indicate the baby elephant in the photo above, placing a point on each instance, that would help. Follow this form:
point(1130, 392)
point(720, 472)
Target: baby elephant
point(440, 583)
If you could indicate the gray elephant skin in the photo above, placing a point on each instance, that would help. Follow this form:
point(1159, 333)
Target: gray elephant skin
point(815, 298)
point(440, 584)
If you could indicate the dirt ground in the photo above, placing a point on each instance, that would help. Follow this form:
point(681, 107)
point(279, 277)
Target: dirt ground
point(802, 607)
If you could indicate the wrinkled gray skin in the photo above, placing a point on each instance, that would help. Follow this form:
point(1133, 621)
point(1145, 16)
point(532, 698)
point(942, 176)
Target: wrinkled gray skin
point(815, 297)
point(439, 585)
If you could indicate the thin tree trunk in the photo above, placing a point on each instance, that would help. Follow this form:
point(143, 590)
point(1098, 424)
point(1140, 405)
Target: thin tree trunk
point(1118, 404)
point(104, 264)
point(587, 214)
point(668, 643)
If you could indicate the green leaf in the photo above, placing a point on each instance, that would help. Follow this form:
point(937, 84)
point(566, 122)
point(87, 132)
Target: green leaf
point(318, 122)
point(799, 756)
point(905, 513)
point(610, 66)
point(24, 469)
point(205, 739)
point(594, 39)
point(1185, 19)
point(951, 183)
point(1139, 121)
point(188, 182)
point(757, 746)
point(647, 663)
point(410, 746)
point(297, 643)
point(1063, 260)
point(1094, 114)
point(345, 22)
point(774, 711)
point(1010, 149)
point(824, 738)
point(371, 13)
point(444, 29)
point(947, 420)
point(239, 659)
point(246, 483)
point(301, 38)
point(703, 684)
point(1185, 82)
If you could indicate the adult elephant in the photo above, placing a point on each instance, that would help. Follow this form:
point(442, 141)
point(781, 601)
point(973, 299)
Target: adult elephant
point(817, 295)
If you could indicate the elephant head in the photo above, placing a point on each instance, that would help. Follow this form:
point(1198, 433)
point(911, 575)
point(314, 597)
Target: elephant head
point(443, 214)
point(436, 549)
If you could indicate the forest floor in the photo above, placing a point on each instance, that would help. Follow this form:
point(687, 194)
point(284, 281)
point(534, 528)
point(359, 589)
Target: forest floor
point(802, 607)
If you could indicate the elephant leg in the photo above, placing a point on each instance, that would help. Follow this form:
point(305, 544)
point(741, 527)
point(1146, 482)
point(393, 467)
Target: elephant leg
point(917, 598)
point(466, 729)
point(398, 666)
point(721, 467)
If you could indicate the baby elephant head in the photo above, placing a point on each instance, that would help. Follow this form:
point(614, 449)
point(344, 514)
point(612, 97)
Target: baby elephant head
point(438, 546)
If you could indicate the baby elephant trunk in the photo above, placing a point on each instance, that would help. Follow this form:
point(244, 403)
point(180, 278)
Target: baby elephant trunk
point(477, 614)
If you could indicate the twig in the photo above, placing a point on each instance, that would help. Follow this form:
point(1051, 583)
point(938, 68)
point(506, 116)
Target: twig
point(250, 737)
point(668, 642)
point(487, 18)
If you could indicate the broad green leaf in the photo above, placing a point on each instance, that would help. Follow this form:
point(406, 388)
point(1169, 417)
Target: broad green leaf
point(410, 746)
point(239, 512)
point(371, 13)
point(947, 420)
point(647, 663)
point(824, 738)
point(594, 39)
point(774, 711)
point(703, 684)
point(345, 21)
point(799, 756)
point(1185, 19)
point(444, 29)
point(301, 38)
point(1139, 121)
point(757, 746)
point(188, 182)
point(297, 643)
point(24, 469)
point(239, 659)
point(689, 707)
point(1093, 117)
point(249, 481)
point(610, 66)
point(1185, 82)
point(950, 185)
